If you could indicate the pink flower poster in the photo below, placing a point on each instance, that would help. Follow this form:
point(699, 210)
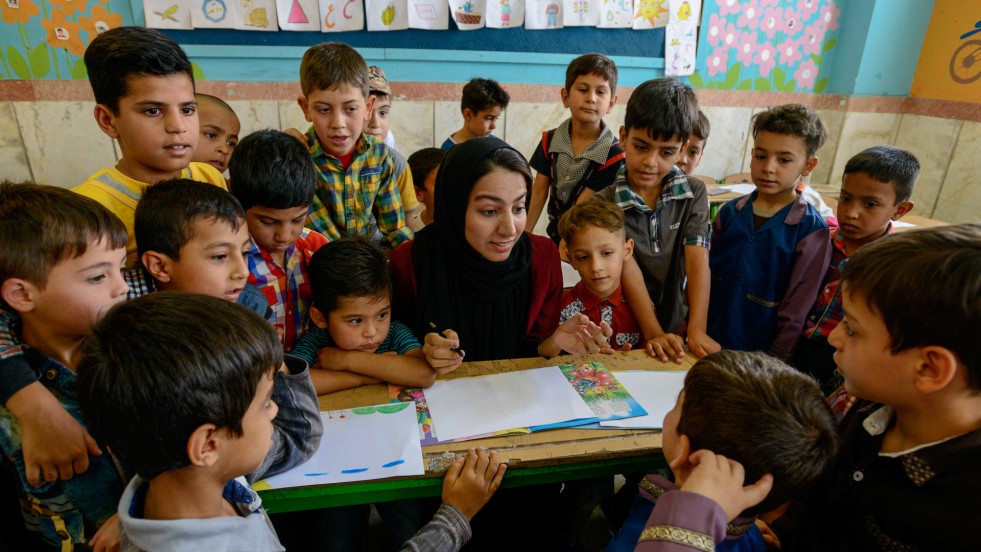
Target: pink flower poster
point(505, 14)
point(615, 14)
point(650, 14)
point(432, 15)
point(580, 13)
point(679, 49)
point(256, 15)
point(543, 14)
point(298, 15)
point(338, 16)
point(468, 14)
point(168, 14)
point(386, 15)
point(213, 14)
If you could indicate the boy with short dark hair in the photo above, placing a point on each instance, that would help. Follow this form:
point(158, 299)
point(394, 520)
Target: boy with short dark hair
point(219, 131)
point(691, 156)
point(482, 104)
point(351, 312)
point(773, 421)
point(357, 178)
point(581, 156)
point(193, 237)
point(875, 190)
point(144, 91)
point(61, 269)
point(770, 248)
point(424, 165)
point(667, 216)
point(274, 180)
point(598, 246)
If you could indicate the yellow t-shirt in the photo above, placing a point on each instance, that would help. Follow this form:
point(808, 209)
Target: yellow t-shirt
point(120, 194)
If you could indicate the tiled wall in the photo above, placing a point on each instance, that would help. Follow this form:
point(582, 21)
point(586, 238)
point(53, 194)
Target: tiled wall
point(56, 141)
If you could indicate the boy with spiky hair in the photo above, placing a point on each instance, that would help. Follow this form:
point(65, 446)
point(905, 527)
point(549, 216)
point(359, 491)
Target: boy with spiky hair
point(482, 104)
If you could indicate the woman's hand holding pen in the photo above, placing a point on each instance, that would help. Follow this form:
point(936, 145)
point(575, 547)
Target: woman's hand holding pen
point(443, 351)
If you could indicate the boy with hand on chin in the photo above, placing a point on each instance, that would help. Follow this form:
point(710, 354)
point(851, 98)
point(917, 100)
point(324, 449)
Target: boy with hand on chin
point(770, 248)
point(144, 91)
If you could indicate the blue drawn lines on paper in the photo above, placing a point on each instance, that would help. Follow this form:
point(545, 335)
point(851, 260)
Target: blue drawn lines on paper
point(393, 464)
point(316, 474)
point(355, 470)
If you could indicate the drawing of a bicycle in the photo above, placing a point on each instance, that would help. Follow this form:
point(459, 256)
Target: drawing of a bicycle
point(965, 64)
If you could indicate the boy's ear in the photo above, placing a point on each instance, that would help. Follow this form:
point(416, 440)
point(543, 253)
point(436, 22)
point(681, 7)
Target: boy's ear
point(680, 460)
point(420, 194)
point(467, 114)
point(936, 368)
point(203, 446)
point(158, 265)
point(19, 294)
point(613, 102)
point(628, 248)
point(318, 318)
point(901, 209)
point(106, 120)
point(564, 94)
point(809, 165)
point(301, 100)
point(369, 103)
point(623, 136)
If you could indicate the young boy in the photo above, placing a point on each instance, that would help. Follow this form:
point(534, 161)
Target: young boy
point(352, 307)
point(598, 245)
point(193, 484)
point(691, 156)
point(773, 421)
point(482, 104)
point(274, 181)
point(193, 237)
point(377, 126)
point(581, 156)
point(356, 173)
point(144, 91)
point(219, 131)
point(667, 217)
point(906, 477)
point(424, 165)
point(770, 248)
point(875, 190)
point(60, 271)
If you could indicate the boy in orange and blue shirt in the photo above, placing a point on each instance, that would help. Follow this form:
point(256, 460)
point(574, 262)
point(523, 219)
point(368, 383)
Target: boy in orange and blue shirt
point(356, 173)
point(274, 180)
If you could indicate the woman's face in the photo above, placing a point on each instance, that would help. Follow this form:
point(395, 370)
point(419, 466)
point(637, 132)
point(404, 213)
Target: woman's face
point(496, 214)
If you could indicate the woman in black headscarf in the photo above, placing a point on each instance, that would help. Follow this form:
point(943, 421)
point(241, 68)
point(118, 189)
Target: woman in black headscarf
point(475, 273)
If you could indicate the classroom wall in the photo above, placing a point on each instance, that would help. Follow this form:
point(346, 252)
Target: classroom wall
point(949, 67)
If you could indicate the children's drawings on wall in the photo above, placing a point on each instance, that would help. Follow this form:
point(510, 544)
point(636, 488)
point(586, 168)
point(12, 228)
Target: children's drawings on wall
point(341, 15)
point(679, 49)
point(386, 15)
point(213, 14)
point(685, 11)
point(298, 15)
point(543, 14)
point(616, 14)
point(580, 13)
point(468, 14)
point(167, 14)
point(431, 15)
point(650, 14)
point(505, 14)
point(256, 15)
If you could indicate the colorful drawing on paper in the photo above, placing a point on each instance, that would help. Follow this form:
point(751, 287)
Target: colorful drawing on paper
point(649, 11)
point(256, 15)
point(505, 14)
point(616, 14)
point(466, 14)
point(601, 391)
point(428, 14)
point(341, 15)
point(679, 49)
point(580, 13)
point(167, 14)
point(214, 10)
point(551, 14)
point(386, 15)
point(297, 15)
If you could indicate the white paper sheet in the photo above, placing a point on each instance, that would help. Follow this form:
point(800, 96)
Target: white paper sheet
point(341, 15)
point(505, 14)
point(468, 14)
point(580, 13)
point(298, 15)
point(167, 14)
point(616, 14)
point(657, 392)
point(742, 189)
point(433, 15)
point(256, 15)
point(360, 444)
point(902, 224)
point(685, 11)
point(213, 14)
point(473, 406)
point(543, 14)
point(649, 14)
point(679, 49)
point(386, 15)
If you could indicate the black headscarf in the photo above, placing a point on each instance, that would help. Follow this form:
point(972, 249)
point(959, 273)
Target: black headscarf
point(485, 302)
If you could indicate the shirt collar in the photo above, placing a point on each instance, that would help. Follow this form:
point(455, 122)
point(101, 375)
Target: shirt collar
point(597, 152)
point(674, 186)
point(797, 207)
point(590, 300)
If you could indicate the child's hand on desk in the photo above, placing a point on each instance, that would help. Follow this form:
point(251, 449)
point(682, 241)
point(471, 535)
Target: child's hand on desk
point(579, 335)
point(700, 344)
point(667, 346)
point(472, 480)
point(443, 351)
point(716, 477)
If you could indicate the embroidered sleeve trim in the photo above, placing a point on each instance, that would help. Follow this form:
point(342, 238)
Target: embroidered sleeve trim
point(678, 535)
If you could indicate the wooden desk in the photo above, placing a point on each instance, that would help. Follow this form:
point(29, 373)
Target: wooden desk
point(533, 458)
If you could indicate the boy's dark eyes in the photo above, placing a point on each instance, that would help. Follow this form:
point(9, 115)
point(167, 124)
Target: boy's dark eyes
point(97, 279)
point(231, 143)
point(219, 257)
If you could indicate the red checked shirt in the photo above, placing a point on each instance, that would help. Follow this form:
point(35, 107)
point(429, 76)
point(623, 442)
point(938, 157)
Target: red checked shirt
point(613, 310)
point(287, 288)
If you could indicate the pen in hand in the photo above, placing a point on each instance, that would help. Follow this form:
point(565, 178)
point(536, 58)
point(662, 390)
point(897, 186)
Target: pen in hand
point(436, 329)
